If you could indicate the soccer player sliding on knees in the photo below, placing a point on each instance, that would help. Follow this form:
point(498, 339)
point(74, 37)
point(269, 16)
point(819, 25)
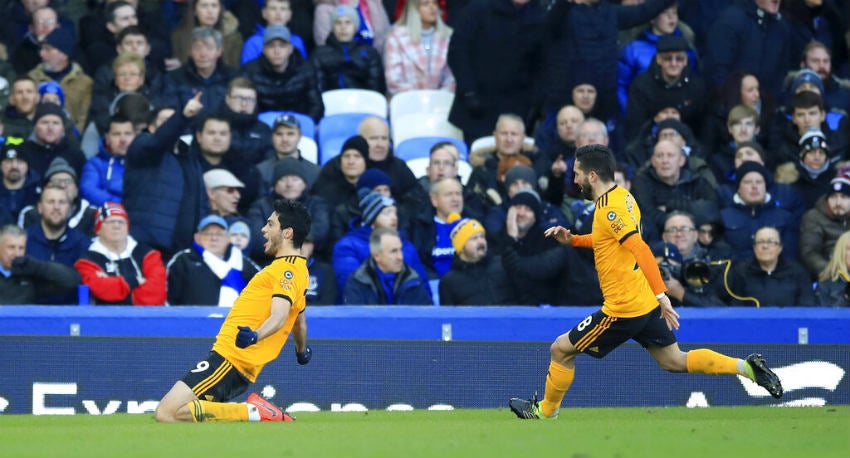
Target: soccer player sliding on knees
point(634, 306)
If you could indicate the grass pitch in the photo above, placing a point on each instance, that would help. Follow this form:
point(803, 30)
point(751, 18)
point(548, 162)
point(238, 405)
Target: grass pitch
point(606, 432)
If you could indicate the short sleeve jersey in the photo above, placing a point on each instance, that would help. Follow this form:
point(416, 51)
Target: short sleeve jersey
point(286, 277)
point(625, 290)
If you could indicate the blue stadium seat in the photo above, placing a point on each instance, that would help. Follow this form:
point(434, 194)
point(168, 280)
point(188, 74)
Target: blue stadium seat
point(334, 130)
point(420, 147)
point(308, 127)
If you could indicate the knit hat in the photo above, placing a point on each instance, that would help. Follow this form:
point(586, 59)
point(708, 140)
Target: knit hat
point(463, 231)
point(811, 140)
point(277, 32)
point(806, 76)
point(52, 87)
point(667, 251)
point(530, 199)
point(520, 172)
point(59, 165)
point(109, 209)
point(63, 40)
point(47, 108)
point(345, 10)
point(373, 178)
point(750, 166)
point(675, 124)
point(371, 204)
point(358, 144)
point(13, 151)
point(672, 43)
point(841, 183)
point(289, 166)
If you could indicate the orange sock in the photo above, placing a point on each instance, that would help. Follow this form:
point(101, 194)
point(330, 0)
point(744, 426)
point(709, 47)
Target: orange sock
point(705, 361)
point(558, 381)
point(218, 411)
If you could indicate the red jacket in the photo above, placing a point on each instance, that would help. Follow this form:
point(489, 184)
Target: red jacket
point(136, 276)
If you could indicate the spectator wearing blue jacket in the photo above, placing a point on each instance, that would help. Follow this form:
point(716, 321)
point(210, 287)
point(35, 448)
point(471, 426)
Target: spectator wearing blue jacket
point(275, 12)
point(752, 208)
point(385, 278)
point(352, 250)
point(103, 175)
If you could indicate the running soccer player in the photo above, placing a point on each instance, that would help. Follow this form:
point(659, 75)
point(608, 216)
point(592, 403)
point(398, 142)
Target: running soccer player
point(635, 305)
point(253, 334)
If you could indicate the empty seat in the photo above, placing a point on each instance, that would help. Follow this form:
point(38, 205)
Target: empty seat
point(309, 149)
point(334, 130)
point(421, 147)
point(423, 125)
point(308, 127)
point(354, 101)
point(421, 101)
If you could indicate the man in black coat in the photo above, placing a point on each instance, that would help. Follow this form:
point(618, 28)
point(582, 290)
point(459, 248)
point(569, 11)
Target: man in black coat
point(495, 57)
point(204, 73)
point(476, 277)
point(285, 81)
point(24, 279)
point(248, 135)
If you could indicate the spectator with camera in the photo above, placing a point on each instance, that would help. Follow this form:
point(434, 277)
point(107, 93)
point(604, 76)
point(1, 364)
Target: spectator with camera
point(685, 266)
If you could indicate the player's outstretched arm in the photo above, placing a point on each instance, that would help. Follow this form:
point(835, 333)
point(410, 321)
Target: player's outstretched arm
point(561, 234)
point(303, 353)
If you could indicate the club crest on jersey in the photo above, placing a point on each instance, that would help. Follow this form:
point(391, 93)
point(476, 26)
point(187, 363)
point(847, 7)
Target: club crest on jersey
point(612, 216)
point(288, 275)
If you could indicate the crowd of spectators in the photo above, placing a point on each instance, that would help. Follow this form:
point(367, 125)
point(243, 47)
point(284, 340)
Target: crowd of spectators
point(135, 167)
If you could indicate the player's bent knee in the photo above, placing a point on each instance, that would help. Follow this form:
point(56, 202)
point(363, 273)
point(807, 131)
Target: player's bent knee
point(164, 415)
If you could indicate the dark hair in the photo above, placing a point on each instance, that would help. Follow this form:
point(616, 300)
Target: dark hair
point(118, 118)
point(202, 120)
point(111, 7)
point(130, 30)
point(439, 145)
point(599, 159)
point(806, 99)
point(293, 214)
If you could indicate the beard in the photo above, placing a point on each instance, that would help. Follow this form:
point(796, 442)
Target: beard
point(586, 190)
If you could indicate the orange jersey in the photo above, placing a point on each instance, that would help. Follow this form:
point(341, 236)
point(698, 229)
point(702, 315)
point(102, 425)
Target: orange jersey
point(285, 277)
point(625, 289)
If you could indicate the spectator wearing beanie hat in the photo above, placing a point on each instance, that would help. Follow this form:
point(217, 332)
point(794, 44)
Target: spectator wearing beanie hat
point(372, 180)
point(337, 179)
point(811, 172)
point(524, 239)
point(350, 251)
point(783, 195)
point(753, 207)
point(291, 182)
point(118, 269)
point(476, 277)
point(57, 65)
point(517, 178)
point(805, 80)
point(823, 225)
point(48, 140)
point(81, 214)
point(19, 185)
point(372, 26)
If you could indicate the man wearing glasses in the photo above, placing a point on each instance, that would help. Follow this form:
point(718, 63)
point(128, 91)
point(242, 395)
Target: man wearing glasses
point(669, 82)
point(687, 285)
point(249, 137)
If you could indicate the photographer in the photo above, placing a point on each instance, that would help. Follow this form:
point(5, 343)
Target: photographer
point(690, 278)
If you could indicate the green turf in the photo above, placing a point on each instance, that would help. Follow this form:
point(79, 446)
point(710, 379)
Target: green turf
point(637, 432)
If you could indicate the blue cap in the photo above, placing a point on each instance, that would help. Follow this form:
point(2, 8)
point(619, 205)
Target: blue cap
point(212, 219)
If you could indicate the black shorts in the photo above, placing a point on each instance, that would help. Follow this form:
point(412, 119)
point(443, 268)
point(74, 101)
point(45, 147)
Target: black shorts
point(215, 379)
point(599, 334)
